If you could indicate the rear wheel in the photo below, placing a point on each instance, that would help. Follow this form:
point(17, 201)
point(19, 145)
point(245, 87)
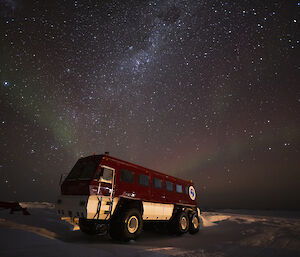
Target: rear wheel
point(180, 224)
point(195, 223)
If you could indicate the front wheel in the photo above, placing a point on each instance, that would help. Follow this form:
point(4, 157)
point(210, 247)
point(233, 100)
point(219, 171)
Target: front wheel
point(128, 227)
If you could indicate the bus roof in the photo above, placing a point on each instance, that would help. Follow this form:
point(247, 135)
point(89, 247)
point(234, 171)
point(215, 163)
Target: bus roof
point(108, 157)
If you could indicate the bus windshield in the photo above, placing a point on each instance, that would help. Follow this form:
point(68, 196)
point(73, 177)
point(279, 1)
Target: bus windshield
point(83, 169)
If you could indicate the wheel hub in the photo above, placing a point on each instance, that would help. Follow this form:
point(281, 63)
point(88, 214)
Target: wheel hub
point(133, 224)
point(183, 223)
point(195, 222)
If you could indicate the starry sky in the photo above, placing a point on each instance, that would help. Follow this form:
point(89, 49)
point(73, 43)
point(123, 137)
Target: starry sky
point(203, 90)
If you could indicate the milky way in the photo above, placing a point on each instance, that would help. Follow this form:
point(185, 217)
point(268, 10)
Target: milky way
point(204, 90)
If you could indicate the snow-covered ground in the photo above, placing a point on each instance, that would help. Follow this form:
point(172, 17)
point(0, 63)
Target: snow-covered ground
point(227, 233)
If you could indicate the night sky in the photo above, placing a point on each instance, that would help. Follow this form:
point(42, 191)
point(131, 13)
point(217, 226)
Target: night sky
point(203, 90)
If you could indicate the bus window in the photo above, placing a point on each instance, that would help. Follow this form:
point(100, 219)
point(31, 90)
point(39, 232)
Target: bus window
point(169, 186)
point(186, 190)
point(179, 188)
point(143, 180)
point(157, 183)
point(127, 176)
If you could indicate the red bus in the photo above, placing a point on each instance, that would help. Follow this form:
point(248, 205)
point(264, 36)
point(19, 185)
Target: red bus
point(106, 193)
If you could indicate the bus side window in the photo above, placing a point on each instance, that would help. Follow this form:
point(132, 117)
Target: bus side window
point(127, 176)
point(169, 186)
point(186, 190)
point(178, 188)
point(157, 183)
point(143, 180)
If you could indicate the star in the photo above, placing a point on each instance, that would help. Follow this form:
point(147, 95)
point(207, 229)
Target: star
point(183, 87)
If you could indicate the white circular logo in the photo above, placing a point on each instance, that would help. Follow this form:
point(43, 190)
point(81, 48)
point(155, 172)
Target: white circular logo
point(192, 193)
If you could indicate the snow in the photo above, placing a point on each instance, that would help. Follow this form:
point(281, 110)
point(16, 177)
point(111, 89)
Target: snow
point(225, 233)
point(211, 219)
point(37, 205)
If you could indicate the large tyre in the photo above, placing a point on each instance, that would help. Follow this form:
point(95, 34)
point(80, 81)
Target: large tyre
point(195, 223)
point(180, 223)
point(128, 226)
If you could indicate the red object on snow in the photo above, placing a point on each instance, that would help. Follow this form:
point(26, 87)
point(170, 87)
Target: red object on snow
point(14, 206)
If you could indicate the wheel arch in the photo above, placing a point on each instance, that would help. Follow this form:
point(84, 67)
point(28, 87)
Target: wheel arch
point(128, 203)
point(190, 210)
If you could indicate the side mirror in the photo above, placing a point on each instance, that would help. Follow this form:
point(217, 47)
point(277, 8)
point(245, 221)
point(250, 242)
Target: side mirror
point(61, 179)
point(98, 174)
